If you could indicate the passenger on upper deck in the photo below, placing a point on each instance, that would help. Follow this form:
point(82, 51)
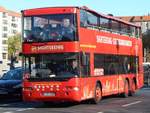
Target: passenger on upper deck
point(45, 32)
point(67, 30)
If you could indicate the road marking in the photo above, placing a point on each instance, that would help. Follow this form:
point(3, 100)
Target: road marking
point(8, 112)
point(136, 102)
point(4, 105)
point(24, 109)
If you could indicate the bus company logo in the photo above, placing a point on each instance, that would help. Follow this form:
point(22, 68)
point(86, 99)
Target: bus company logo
point(113, 41)
point(47, 48)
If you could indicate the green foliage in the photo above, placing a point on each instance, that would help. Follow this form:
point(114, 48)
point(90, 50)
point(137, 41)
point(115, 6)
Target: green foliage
point(14, 45)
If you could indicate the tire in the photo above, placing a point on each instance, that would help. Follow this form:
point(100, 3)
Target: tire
point(133, 89)
point(126, 89)
point(97, 94)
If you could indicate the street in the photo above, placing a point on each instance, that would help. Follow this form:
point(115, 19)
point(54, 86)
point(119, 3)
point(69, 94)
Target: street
point(139, 103)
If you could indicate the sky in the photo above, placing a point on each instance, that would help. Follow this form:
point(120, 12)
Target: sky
point(115, 7)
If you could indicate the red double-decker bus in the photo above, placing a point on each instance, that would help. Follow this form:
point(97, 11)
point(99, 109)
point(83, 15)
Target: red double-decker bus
point(75, 54)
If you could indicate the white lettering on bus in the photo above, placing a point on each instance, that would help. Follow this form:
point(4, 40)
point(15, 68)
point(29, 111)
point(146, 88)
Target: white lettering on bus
point(113, 41)
point(47, 47)
point(103, 39)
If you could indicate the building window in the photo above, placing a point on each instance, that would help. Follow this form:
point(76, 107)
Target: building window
point(4, 55)
point(5, 35)
point(14, 25)
point(14, 31)
point(4, 14)
point(4, 41)
point(13, 18)
point(5, 49)
point(5, 22)
point(5, 28)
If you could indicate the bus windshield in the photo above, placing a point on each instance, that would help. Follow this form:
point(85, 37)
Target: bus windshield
point(47, 28)
point(45, 67)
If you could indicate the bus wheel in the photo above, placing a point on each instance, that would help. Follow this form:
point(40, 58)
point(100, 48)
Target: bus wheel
point(98, 94)
point(126, 89)
point(133, 89)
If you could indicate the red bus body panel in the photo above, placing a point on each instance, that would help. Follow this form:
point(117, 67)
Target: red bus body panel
point(62, 93)
point(46, 11)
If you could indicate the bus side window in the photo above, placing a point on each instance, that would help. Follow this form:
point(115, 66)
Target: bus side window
point(104, 23)
point(92, 20)
point(137, 32)
point(83, 18)
point(132, 31)
point(114, 26)
point(124, 29)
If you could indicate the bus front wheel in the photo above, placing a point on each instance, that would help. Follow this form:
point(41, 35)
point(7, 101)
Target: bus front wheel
point(97, 94)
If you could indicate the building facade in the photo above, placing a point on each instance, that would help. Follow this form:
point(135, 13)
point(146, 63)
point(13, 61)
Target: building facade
point(10, 24)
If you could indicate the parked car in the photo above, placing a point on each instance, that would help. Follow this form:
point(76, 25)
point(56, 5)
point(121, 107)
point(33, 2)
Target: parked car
point(11, 82)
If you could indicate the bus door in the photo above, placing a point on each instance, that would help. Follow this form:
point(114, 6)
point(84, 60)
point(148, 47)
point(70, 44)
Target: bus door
point(85, 76)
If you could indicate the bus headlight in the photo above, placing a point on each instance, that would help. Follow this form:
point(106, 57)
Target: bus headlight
point(76, 88)
point(72, 88)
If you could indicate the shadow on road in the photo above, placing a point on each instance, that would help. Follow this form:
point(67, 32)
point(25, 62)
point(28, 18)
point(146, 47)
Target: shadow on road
point(9, 99)
point(14, 102)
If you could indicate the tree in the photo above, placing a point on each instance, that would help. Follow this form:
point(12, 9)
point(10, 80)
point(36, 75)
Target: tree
point(14, 47)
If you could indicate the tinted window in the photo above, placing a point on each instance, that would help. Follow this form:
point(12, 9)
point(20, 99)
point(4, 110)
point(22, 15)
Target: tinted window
point(92, 19)
point(83, 18)
point(13, 75)
point(124, 28)
point(114, 26)
point(104, 22)
point(18, 75)
point(132, 30)
point(137, 32)
point(115, 64)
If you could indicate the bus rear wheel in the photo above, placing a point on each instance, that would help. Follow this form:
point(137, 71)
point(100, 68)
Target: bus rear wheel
point(126, 89)
point(133, 88)
point(97, 95)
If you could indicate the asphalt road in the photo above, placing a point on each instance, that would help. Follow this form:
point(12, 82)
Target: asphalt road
point(140, 103)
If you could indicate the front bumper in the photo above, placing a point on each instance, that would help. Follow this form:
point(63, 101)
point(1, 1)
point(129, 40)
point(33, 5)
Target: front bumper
point(72, 96)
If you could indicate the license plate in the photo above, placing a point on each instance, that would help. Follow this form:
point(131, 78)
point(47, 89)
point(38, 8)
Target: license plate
point(49, 94)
